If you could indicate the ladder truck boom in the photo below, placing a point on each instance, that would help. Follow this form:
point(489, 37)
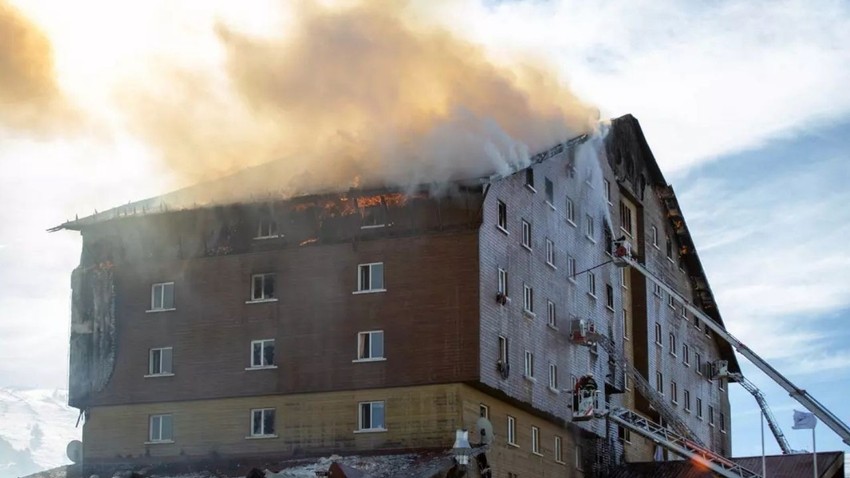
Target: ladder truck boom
point(622, 258)
point(768, 415)
point(679, 444)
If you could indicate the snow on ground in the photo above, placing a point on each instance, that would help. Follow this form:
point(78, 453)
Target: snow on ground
point(35, 428)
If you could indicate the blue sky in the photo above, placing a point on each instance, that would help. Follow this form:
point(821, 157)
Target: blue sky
point(745, 104)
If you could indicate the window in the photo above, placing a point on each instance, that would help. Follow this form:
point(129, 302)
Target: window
point(550, 313)
point(579, 458)
point(674, 392)
point(625, 324)
point(262, 422)
point(503, 349)
point(698, 362)
point(653, 234)
point(659, 382)
point(686, 352)
point(623, 281)
point(624, 434)
point(483, 411)
point(160, 362)
point(535, 440)
point(571, 268)
point(606, 190)
point(262, 287)
point(628, 382)
point(672, 344)
point(671, 301)
point(571, 212)
point(669, 248)
point(370, 277)
point(657, 334)
point(529, 364)
point(374, 215)
point(529, 178)
point(553, 376)
point(699, 408)
point(160, 429)
point(559, 449)
point(626, 215)
point(162, 296)
point(550, 192)
point(589, 228)
point(722, 422)
point(687, 398)
point(511, 430)
point(262, 353)
point(370, 345)
point(371, 416)
point(503, 282)
point(550, 253)
point(526, 234)
point(503, 216)
point(527, 298)
point(684, 312)
point(656, 290)
point(711, 415)
point(609, 296)
point(591, 284)
point(266, 229)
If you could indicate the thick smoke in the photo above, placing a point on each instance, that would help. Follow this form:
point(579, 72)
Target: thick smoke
point(356, 95)
point(30, 99)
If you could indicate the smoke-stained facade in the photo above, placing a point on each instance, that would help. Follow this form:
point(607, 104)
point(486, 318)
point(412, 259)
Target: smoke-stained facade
point(372, 319)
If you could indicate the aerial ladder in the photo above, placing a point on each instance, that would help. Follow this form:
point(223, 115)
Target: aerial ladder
point(674, 436)
point(765, 409)
point(622, 258)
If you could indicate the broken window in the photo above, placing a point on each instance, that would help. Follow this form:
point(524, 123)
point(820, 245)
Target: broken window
point(550, 192)
point(262, 353)
point(669, 248)
point(159, 362)
point(262, 287)
point(529, 177)
point(370, 277)
point(160, 429)
point(626, 219)
point(162, 296)
point(374, 216)
point(503, 216)
point(503, 349)
point(370, 345)
point(372, 416)
point(262, 422)
point(266, 228)
point(609, 296)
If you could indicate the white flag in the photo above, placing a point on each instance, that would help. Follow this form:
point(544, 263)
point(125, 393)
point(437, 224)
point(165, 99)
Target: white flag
point(804, 420)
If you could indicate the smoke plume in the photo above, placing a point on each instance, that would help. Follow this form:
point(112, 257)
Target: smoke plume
point(30, 99)
point(356, 95)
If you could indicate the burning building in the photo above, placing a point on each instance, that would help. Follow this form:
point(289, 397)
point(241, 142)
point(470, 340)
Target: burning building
point(383, 319)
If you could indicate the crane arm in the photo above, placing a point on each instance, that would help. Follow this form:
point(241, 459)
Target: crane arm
point(802, 396)
point(765, 409)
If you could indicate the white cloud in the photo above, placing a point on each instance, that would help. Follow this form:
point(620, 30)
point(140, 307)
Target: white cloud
point(704, 78)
